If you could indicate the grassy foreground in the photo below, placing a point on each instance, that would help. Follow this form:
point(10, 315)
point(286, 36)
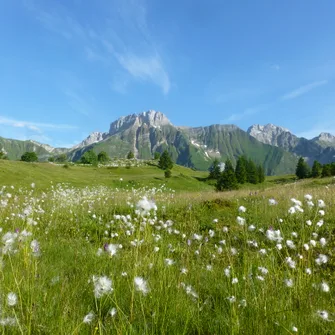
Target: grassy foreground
point(113, 259)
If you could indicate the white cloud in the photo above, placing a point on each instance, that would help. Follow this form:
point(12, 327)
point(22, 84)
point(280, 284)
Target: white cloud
point(126, 37)
point(35, 126)
point(303, 90)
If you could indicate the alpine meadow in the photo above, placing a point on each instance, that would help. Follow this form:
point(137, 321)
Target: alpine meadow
point(167, 167)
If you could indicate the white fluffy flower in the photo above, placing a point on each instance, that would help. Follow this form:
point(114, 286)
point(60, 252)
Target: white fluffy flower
point(324, 287)
point(323, 241)
point(145, 206)
point(240, 221)
point(272, 202)
point(323, 314)
point(290, 244)
point(322, 259)
point(141, 285)
point(290, 262)
point(274, 235)
point(308, 197)
point(102, 286)
point(113, 312)
point(88, 318)
point(242, 209)
point(288, 282)
point(11, 299)
point(321, 203)
point(234, 281)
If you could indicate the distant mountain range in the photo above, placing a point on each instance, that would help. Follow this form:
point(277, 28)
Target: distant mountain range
point(276, 148)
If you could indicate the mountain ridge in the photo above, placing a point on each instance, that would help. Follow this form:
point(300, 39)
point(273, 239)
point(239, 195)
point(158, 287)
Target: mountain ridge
point(274, 147)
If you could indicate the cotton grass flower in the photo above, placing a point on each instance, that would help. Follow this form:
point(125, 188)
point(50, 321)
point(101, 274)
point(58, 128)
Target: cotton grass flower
point(272, 202)
point(11, 299)
point(141, 285)
point(288, 282)
point(102, 286)
point(323, 315)
point(89, 318)
point(321, 203)
point(112, 312)
point(240, 221)
point(242, 209)
point(324, 287)
point(322, 259)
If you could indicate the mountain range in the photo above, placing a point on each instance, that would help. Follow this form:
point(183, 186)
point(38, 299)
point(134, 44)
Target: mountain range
point(274, 147)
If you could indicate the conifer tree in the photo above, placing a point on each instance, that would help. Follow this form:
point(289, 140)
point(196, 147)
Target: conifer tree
point(260, 174)
point(316, 170)
point(302, 171)
point(214, 170)
point(227, 180)
point(326, 170)
point(333, 168)
point(165, 161)
point(241, 170)
point(252, 176)
point(130, 155)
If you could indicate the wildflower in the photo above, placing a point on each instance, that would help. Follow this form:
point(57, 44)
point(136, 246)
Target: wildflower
point(145, 206)
point(243, 303)
point(156, 249)
point(141, 285)
point(323, 314)
point(242, 209)
point(309, 223)
point(260, 278)
point(240, 221)
point(113, 312)
point(231, 299)
point(35, 247)
point(308, 197)
point(290, 262)
point(310, 204)
point(197, 237)
point(209, 267)
point(272, 202)
point(263, 270)
point(323, 241)
point(88, 318)
point(294, 329)
point(294, 234)
point(306, 246)
point(169, 261)
point(102, 286)
point(279, 246)
point(274, 235)
point(251, 228)
point(99, 252)
point(183, 271)
point(225, 229)
point(234, 281)
point(308, 271)
point(319, 223)
point(262, 251)
point(292, 210)
point(288, 282)
point(321, 204)
point(312, 243)
point(321, 212)
point(11, 299)
point(227, 271)
point(324, 287)
point(233, 251)
point(290, 244)
point(322, 259)
point(215, 221)
point(111, 249)
point(124, 274)
point(296, 202)
point(32, 185)
point(211, 233)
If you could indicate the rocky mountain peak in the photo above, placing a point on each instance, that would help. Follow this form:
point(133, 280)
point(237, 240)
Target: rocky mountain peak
point(150, 118)
point(94, 137)
point(326, 137)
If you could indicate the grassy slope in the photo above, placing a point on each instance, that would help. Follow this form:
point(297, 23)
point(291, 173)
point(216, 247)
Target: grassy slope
point(44, 173)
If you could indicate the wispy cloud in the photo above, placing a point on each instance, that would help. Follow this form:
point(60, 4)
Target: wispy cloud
point(247, 112)
point(303, 90)
point(125, 36)
point(34, 126)
point(78, 103)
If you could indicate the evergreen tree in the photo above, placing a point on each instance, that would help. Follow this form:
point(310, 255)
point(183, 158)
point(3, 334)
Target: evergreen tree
point(241, 170)
point(214, 170)
point(157, 155)
point(165, 161)
point(29, 157)
point(333, 168)
point(252, 175)
point(316, 170)
point(260, 174)
point(103, 157)
point(227, 180)
point(62, 158)
point(89, 157)
point(302, 171)
point(326, 170)
point(130, 155)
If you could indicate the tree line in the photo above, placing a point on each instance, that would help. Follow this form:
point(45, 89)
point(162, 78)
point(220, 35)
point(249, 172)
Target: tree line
point(228, 178)
point(318, 170)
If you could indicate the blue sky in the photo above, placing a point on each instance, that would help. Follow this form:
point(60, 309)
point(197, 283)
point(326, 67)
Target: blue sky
point(70, 67)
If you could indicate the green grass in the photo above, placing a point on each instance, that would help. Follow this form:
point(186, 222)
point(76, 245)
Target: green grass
point(72, 221)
